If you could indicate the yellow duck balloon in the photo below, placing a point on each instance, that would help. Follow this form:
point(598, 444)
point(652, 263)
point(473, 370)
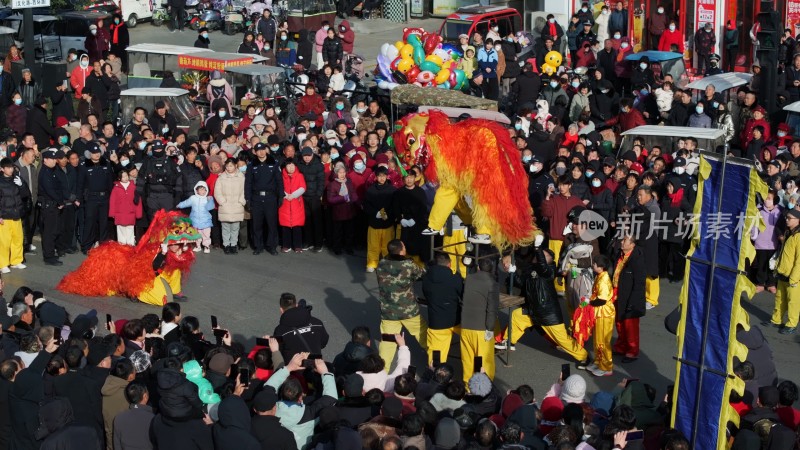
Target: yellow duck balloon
point(552, 60)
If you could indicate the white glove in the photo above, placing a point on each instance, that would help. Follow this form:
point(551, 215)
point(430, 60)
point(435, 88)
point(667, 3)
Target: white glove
point(180, 159)
point(379, 215)
point(567, 229)
point(18, 181)
point(403, 223)
point(411, 222)
point(164, 248)
point(488, 335)
point(512, 268)
point(538, 241)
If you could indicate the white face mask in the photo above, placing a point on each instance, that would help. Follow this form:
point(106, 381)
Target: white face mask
point(496, 29)
point(596, 183)
point(605, 12)
point(661, 10)
point(223, 113)
point(624, 45)
point(643, 66)
point(332, 141)
point(617, 36)
point(301, 137)
point(497, 48)
point(551, 20)
point(325, 28)
point(84, 63)
point(679, 170)
point(672, 28)
point(334, 155)
point(94, 32)
point(359, 166)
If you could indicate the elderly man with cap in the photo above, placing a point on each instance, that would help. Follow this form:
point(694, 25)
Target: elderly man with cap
point(95, 180)
point(53, 194)
point(262, 185)
point(266, 426)
point(787, 271)
point(161, 120)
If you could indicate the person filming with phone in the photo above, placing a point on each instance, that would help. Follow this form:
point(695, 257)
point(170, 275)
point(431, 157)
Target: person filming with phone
point(297, 330)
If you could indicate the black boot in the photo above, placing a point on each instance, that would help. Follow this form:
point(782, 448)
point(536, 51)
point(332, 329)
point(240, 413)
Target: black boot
point(234, 250)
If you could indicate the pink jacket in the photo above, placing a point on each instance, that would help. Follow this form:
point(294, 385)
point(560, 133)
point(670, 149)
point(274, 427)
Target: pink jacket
point(121, 207)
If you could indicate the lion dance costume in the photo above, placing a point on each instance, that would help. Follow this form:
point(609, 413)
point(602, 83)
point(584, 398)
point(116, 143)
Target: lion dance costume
point(115, 269)
point(479, 173)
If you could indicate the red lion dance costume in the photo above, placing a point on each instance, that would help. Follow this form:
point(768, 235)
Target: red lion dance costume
point(479, 172)
point(115, 269)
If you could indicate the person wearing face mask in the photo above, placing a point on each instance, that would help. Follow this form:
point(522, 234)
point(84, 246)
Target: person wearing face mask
point(704, 41)
point(192, 171)
point(340, 111)
point(575, 27)
point(557, 99)
point(311, 102)
point(248, 44)
point(699, 119)
point(371, 117)
point(96, 42)
point(539, 180)
point(731, 44)
point(509, 47)
point(553, 29)
point(586, 35)
point(658, 23)
point(766, 242)
point(120, 39)
point(319, 39)
point(156, 181)
point(580, 101)
point(643, 74)
point(202, 38)
point(585, 14)
point(671, 36)
point(526, 88)
point(787, 268)
point(601, 21)
point(555, 208)
point(284, 54)
point(79, 75)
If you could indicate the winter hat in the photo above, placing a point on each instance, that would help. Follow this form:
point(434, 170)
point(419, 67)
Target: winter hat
point(220, 363)
point(480, 384)
point(636, 167)
point(141, 361)
point(630, 155)
point(330, 134)
point(265, 400)
point(92, 27)
point(381, 158)
point(216, 79)
point(573, 389)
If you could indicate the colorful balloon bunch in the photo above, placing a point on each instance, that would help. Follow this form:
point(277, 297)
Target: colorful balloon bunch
point(420, 59)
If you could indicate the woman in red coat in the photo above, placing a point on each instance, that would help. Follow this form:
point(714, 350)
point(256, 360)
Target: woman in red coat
point(291, 214)
point(672, 35)
point(311, 103)
point(124, 208)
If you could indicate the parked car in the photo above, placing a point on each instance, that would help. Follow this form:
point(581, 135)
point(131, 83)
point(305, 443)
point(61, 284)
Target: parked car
point(474, 18)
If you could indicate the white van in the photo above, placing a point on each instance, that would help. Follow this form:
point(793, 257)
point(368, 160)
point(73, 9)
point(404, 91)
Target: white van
point(46, 42)
point(132, 11)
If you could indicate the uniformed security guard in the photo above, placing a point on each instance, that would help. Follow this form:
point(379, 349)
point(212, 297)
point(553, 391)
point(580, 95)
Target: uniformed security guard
point(787, 271)
point(95, 181)
point(53, 194)
point(156, 181)
point(263, 192)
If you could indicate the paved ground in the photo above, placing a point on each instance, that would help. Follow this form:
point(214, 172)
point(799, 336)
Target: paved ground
point(243, 290)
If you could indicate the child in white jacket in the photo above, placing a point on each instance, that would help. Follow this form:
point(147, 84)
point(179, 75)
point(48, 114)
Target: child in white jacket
point(664, 96)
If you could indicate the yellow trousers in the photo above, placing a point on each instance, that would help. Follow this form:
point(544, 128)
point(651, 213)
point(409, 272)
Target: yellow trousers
point(555, 246)
point(10, 243)
point(787, 301)
point(652, 289)
point(377, 240)
point(445, 200)
point(558, 334)
point(473, 343)
point(440, 340)
point(164, 285)
point(455, 261)
point(603, 331)
point(555, 333)
point(415, 326)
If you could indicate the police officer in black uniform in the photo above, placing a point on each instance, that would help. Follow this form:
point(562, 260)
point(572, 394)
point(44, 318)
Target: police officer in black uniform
point(263, 192)
point(66, 239)
point(156, 181)
point(53, 194)
point(95, 181)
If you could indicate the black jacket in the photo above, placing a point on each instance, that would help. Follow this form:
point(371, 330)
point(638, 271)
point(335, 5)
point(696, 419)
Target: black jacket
point(189, 176)
point(158, 123)
point(26, 394)
point(158, 174)
point(355, 410)
point(443, 290)
point(332, 51)
point(168, 434)
point(62, 106)
point(379, 197)
point(36, 123)
point(300, 332)
point(248, 48)
point(603, 106)
point(314, 175)
point(541, 299)
point(480, 302)
point(59, 431)
point(232, 430)
point(271, 434)
point(99, 85)
point(263, 176)
point(349, 360)
point(179, 398)
point(510, 50)
point(83, 393)
point(131, 428)
point(5, 414)
point(202, 42)
point(13, 198)
point(305, 49)
point(641, 77)
point(630, 291)
point(526, 89)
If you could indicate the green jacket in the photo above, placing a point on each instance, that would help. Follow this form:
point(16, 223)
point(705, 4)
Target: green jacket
point(396, 277)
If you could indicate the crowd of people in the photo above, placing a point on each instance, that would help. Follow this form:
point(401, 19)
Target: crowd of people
point(333, 180)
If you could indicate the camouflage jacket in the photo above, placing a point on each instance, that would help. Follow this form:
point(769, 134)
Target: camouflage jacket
point(396, 277)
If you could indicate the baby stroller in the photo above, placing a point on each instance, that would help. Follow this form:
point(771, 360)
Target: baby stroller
point(578, 281)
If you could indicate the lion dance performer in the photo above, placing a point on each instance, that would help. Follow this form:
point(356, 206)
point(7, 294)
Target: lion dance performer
point(479, 173)
point(149, 272)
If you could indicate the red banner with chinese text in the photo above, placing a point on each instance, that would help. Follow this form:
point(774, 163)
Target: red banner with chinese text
point(793, 16)
point(198, 63)
point(706, 12)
